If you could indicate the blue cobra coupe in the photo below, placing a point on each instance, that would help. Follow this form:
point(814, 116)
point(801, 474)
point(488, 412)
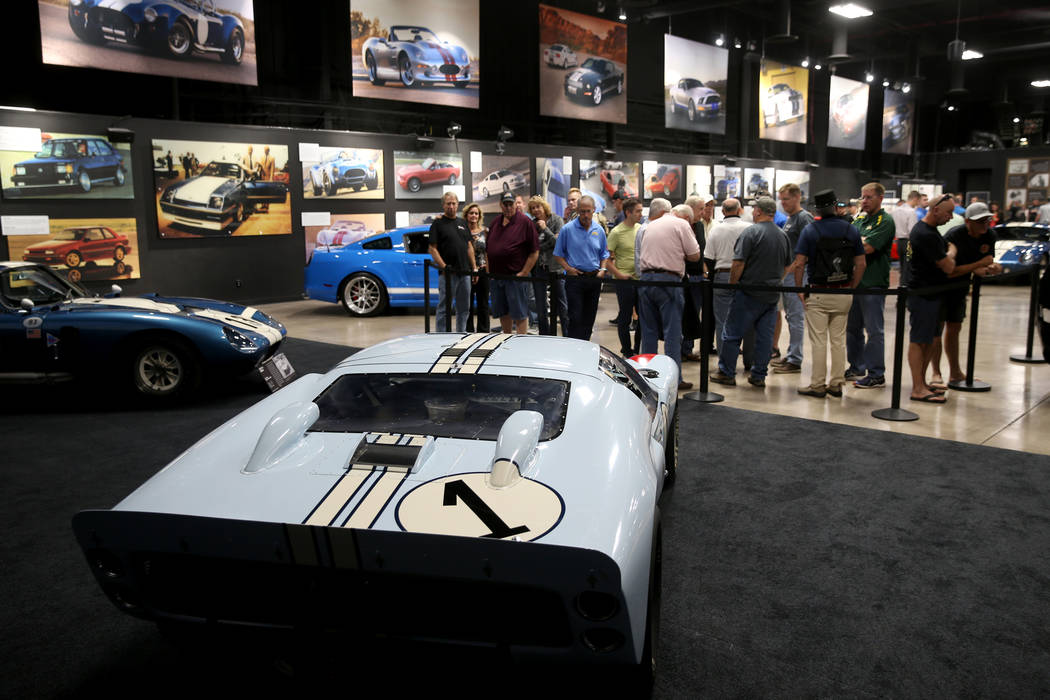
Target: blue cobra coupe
point(52, 329)
point(1020, 244)
point(370, 275)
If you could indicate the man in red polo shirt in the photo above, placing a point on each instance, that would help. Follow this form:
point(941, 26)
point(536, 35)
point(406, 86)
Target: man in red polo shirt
point(513, 247)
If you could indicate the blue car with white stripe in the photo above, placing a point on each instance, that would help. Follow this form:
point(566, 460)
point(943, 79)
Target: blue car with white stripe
point(373, 274)
point(1019, 244)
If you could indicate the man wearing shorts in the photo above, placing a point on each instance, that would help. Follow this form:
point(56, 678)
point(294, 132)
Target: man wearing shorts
point(513, 247)
point(930, 260)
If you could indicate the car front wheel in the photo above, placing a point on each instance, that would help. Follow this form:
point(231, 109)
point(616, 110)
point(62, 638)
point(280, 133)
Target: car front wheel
point(415, 185)
point(373, 72)
point(180, 41)
point(84, 181)
point(451, 179)
point(235, 49)
point(73, 259)
point(162, 368)
point(364, 295)
point(405, 70)
point(118, 253)
point(119, 177)
point(597, 95)
point(692, 110)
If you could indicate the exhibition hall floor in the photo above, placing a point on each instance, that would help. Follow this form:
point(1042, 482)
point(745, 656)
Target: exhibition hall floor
point(1014, 414)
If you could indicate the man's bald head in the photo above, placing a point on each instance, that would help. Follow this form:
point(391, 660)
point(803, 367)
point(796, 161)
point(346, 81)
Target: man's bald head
point(731, 207)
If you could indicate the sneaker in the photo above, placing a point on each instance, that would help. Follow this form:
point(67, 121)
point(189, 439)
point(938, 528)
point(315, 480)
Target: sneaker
point(853, 373)
point(870, 382)
point(786, 368)
point(835, 391)
point(815, 393)
point(685, 386)
point(756, 381)
point(719, 378)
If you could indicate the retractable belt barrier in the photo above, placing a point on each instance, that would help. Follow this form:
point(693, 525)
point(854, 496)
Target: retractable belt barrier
point(894, 412)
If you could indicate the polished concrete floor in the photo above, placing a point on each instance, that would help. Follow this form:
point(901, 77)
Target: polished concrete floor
point(1014, 414)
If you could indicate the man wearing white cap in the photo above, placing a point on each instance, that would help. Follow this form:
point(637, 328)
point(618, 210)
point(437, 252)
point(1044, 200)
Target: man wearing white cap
point(976, 256)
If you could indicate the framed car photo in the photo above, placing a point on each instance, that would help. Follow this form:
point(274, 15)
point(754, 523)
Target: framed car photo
point(847, 113)
point(583, 66)
point(199, 39)
point(83, 249)
point(344, 173)
point(783, 94)
point(500, 174)
point(216, 188)
point(553, 183)
point(695, 77)
point(69, 166)
point(416, 52)
point(343, 230)
point(601, 179)
point(897, 119)
point(423, 175)
point(663, 180)
point(727, 182)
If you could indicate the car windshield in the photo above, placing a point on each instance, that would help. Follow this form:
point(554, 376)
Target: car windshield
point(468, 406)
point(414, 34)
point(222, 170)
point(426, 164)
point(690, 83)
point(38, 284)
point(58, 149)
point(1021, 233)
point(594, 64)
point(69, 234)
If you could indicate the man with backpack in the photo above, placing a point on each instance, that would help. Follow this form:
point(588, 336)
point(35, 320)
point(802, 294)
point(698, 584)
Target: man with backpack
point(866, 360)
point(830, 250)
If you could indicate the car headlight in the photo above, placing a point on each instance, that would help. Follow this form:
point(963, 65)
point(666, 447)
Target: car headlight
point(239, 340)
point(76, 3)
point(64, 168)
point(215, 202)
point(20, 170)
point(150, 14)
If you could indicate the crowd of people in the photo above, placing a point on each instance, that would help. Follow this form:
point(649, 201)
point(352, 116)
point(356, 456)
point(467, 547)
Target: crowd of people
point(751, 253)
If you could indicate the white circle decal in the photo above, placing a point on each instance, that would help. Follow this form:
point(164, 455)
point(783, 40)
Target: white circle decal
point(466, 505)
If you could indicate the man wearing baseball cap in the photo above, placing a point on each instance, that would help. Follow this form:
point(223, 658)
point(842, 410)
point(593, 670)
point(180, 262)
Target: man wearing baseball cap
point(976, 256)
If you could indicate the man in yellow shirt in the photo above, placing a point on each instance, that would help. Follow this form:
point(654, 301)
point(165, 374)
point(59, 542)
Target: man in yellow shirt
point(621, 265)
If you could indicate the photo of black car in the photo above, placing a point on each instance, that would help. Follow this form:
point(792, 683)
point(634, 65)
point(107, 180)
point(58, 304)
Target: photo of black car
point(593, 80)
point(71, 162)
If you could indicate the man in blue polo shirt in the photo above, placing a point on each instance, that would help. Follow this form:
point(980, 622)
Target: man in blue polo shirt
point(581, 250)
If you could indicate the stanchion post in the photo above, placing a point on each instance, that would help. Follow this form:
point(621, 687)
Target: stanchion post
point(970, 384)
point(895, 412)
point(426, 296)
point(707, 333)
point(1033, 310)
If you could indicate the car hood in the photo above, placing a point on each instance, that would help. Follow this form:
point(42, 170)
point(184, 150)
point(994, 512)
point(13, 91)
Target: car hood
point(243, 318)
point(410, 170)
point(50, 160)
point(200, 189)
point(53, 243)
point(581, 74)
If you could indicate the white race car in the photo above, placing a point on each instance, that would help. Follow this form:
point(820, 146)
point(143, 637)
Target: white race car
point(559, 55)
point(487, 489)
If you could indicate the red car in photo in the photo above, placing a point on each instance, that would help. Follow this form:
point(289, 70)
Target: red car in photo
point(664, 182)
point(74, 246)
point(615, 180)
point(429, 172)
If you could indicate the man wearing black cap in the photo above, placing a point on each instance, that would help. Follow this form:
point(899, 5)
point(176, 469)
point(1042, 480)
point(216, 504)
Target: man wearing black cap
point(513, 247)
point(975, 254)
point(834, 254)
point(618, 198)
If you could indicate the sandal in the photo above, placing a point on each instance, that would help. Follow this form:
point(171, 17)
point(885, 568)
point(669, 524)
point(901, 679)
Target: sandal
point(930, 398)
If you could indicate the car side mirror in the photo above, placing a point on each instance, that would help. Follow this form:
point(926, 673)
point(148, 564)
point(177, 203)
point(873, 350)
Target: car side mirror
point(27, 303)
point(115, 290)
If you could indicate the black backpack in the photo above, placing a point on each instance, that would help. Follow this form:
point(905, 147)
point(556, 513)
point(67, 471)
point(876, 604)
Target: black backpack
point(832, 261)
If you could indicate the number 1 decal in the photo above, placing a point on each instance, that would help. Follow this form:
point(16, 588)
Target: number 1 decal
point(459, 490)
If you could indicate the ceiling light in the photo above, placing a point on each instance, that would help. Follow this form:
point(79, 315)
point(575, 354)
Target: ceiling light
point(805, 62)
point(850, 10)
point(1023, 141)
point(951, 108)
point(736, 43)
point(720, 40)
point(885, 82)
point(623, 15)
point(906, 88)
point(970, 54)
point(869, 77)
point(817, 67)
point(1041, 83)
point(1017, 120)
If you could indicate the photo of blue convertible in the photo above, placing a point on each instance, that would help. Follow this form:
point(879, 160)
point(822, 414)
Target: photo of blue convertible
point(373, 274)
point(344, 169)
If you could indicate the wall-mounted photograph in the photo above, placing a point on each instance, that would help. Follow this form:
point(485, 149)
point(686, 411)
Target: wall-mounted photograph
point(553, 183)
point(1017, 165)
point(209, 188)
point(73, 166)
point(896, 122)
point(727, 182)
point(602, 179)
point(83, 249)
point(663, 180)
point(344, 173)
point(501, 174)
point(583, 66)
point(695, 77)
point(698, 181)
point(199, 39)
point(847, 113)
point(343, 230)
point(416, 51)
point(423, 175)
point(783, 93)
point(798, 177)
point(424, 218)
point(1020, 196)
point(758, 181)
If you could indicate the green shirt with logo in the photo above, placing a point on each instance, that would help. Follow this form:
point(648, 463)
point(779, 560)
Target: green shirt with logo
point(877, 230)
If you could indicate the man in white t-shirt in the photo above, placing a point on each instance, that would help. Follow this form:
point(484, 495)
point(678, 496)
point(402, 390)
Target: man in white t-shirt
point(720, 242)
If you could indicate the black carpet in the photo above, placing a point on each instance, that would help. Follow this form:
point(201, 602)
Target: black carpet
point(800, 559)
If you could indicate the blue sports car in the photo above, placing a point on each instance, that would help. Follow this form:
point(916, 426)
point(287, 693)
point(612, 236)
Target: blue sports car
point(374, 273)
point(52, 329)
point(175, 28)
point(79, 162)
point(1021, 244)
point(343, 169)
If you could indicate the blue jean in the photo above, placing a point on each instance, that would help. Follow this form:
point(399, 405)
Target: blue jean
point(697, 293)
point(460, 287)
point(582, 295)
point(745, 314)
point(626, 300)
point(866, 314)
point(723, 299)
point(796, 319)
point(660, 308)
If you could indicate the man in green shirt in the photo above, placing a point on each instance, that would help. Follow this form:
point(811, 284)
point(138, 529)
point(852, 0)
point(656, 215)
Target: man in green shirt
point(621, 265)
point(867, 361)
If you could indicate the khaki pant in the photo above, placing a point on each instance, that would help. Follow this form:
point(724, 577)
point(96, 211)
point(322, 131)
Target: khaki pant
point(826, 316)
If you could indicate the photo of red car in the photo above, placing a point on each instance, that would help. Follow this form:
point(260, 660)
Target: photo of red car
point(73, 246)
point(665, 181)
point(431, 171)
point(615, 180)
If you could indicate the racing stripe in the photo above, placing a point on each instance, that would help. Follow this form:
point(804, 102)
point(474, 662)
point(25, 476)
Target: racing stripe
point(368, 509)
point(477, 357)
point(325, 512)
point(448, 356)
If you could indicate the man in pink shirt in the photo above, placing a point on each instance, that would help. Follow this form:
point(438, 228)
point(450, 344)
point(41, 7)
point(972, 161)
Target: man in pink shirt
point(667, 244)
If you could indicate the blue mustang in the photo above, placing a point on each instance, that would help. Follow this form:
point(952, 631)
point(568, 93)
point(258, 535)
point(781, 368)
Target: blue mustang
point(372, 274)
point(52, 329)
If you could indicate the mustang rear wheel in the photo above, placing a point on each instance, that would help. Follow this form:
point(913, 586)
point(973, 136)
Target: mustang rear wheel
point(235, 49)
point(179, 41)
point(373, 72)
point(364, 295)
point(162, 368)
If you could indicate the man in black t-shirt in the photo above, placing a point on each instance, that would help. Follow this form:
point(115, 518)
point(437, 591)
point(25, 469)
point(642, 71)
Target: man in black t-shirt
point(930, 260)
point(975, 254)
point(452, 247)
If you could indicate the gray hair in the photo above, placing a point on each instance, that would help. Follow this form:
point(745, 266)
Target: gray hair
point(658, 206)
point(766, 205)
point(695, 200)
point(683, 211)
point(731, 206)
point(586, 198)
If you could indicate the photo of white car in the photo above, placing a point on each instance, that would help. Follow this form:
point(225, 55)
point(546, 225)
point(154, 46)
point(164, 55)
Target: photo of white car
point(559, 55)
point(500, 181)
point(696, 100)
